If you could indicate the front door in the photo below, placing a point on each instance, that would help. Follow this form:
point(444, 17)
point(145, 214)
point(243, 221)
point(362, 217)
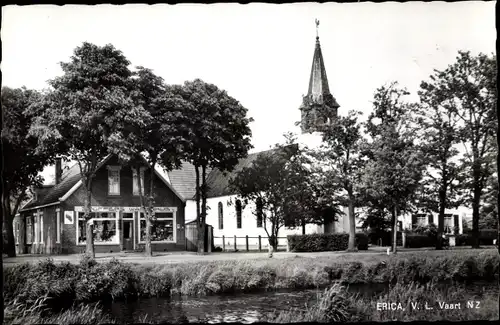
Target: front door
point(128, 235)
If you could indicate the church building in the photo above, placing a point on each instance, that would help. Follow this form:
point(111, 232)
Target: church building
point(228, 216)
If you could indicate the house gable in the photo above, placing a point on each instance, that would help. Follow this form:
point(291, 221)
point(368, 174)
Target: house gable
point(163, 193)
point(71, 183)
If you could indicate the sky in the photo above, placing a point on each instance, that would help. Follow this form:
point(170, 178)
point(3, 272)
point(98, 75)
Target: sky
point(261, 54)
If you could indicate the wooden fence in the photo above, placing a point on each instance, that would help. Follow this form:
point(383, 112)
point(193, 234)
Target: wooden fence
point(247, 243)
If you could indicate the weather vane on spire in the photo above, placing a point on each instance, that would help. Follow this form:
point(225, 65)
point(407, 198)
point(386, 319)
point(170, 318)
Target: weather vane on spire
point(317, 26)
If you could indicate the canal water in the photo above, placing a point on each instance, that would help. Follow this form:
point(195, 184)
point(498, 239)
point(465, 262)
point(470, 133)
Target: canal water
point(242, 308)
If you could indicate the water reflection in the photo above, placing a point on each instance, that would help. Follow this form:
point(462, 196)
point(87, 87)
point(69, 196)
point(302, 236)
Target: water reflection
point(241, 308)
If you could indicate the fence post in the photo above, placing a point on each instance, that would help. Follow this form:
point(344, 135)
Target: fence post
point(223, 243)
point(247, 242)
point(260, 245)
point(235, 243)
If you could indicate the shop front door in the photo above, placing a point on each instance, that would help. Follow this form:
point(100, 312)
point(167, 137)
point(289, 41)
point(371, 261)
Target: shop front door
point(128, 235)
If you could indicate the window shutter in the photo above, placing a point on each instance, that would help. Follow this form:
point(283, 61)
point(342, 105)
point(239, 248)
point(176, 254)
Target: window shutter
point(431, 218)
point(455, 224)
point(413, 220)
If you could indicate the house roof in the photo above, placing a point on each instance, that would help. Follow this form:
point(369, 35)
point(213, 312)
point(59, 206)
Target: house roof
point(51, 194)
point(184, 180)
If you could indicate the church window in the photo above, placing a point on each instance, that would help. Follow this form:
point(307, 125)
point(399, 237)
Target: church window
point(238, 214)
point(259, 212)
point(221, 216)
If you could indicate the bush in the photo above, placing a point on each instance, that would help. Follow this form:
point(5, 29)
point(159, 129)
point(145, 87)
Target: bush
point(362, 241)
point(325, 242)
point(418, 241)
point(375, 237)
point(486, 237)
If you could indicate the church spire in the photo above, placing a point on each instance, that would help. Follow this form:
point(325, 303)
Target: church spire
point(319, 107)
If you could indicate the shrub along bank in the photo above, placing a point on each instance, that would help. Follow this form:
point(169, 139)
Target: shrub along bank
point(325, 242)
point(89, 281)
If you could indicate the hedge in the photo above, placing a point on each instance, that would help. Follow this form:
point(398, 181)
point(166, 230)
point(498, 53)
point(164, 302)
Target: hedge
point(486, 237)
point(418, 241)
point(325, 242)
point(375, 236)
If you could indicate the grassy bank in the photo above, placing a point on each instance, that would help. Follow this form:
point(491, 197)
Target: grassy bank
point(337, 305)
point(90, 281)
point(16, 312)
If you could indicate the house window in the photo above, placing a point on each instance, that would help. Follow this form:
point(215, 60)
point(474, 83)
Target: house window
point(41, 227)
point(16, 235)
point(29, 230)
point(259, 212)
point(105, 228)
point(221, 216)
point(422, 220)
point(58, 227)
point(134, 180)
point(113, 180)
point(448, 224)
point(162, 228)
point(36, 229)
point(238, 214)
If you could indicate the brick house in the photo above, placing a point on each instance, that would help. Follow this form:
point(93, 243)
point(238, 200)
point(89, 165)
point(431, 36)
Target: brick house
point(52, 222)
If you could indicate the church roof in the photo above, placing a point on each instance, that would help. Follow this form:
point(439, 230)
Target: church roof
point(318, 82)
point(319, 91)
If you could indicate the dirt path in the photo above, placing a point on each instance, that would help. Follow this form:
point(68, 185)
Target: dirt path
point(373, 254)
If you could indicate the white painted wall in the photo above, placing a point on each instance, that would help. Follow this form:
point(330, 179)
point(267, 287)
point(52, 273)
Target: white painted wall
point(248, 224)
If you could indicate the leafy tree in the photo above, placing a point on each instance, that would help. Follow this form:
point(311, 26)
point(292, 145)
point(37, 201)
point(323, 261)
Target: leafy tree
point(21, 163)
point(343, 155)
point(309, 196)
point(87, 109)
point(395, 166)
point(267, 181)
point(439, 136)
point(156, 139)
point(468, 86)
point(488, 218)
point(216, 133)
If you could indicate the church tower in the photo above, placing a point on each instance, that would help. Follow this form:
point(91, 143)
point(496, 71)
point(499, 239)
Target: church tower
point(319, 107)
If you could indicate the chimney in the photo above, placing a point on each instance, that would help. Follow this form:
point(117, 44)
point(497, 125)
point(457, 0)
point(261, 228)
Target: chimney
point(58, 170)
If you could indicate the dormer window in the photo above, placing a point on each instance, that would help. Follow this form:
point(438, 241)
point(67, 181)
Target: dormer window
point(114, 180)
point(135, 186)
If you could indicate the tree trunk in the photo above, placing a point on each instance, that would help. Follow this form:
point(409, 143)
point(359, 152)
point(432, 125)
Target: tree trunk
point(11, 241)
point(475, 207)
point(442, 202)
point(89, 225)
point(498, 193)
point(201, 228)
point(273, 245)
point(352, 225)
point(147, 247)
point(204, 203)
point(148, 211)
point(394, 231)
point(303, 226)
point(8, 219)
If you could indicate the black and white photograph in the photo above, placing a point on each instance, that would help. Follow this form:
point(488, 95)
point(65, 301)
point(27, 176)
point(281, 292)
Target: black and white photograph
point(244, 163)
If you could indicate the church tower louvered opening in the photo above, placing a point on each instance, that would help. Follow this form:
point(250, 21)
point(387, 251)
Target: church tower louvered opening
point(319, 107)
